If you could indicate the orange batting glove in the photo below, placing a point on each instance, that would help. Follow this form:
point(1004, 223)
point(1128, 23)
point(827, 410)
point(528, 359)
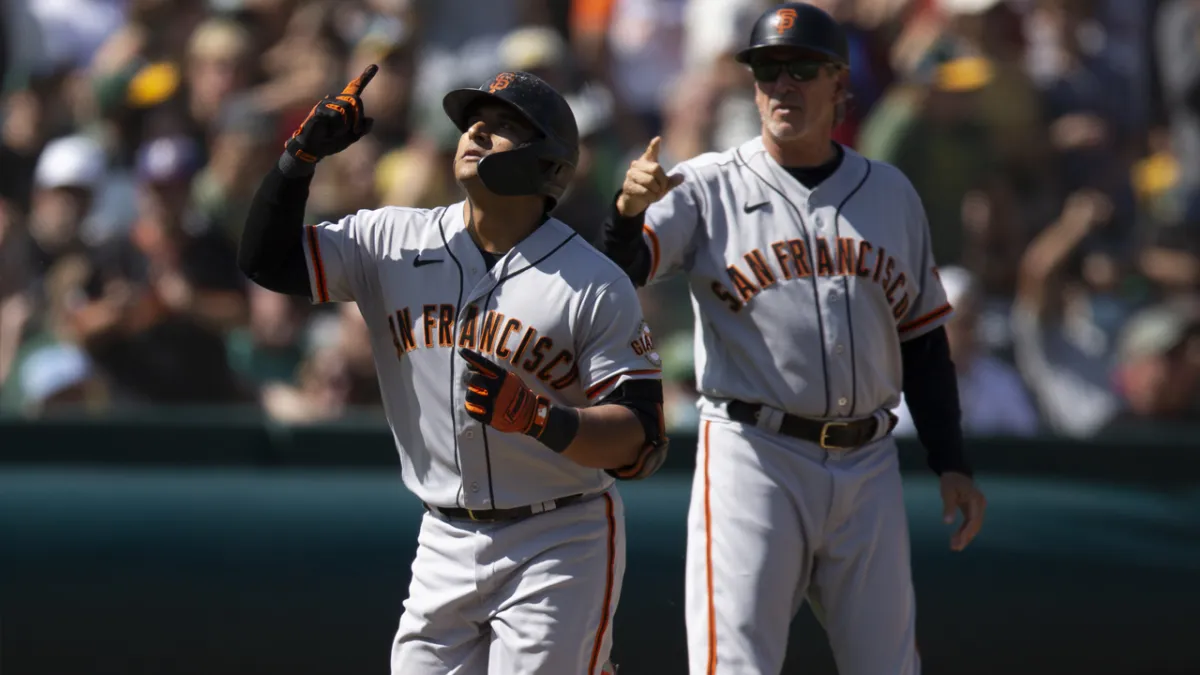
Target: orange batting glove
point(499, 399)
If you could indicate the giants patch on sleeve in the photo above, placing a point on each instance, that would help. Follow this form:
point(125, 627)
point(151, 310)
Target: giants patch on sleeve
point(643, 345)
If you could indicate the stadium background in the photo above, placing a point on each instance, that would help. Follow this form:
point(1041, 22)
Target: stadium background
point(194, 475)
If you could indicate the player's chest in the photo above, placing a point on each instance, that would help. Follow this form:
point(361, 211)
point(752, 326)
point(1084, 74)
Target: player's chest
point(787, 241)
point(521, 321)
point(788, 246)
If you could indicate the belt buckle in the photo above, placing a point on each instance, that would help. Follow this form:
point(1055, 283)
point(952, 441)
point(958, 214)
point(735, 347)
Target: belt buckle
point(825, 434)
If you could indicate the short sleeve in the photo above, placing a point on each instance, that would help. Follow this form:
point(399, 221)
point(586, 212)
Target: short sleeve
point(670, 228)
point(340, 255)
point(930, 307)
point(616, 344)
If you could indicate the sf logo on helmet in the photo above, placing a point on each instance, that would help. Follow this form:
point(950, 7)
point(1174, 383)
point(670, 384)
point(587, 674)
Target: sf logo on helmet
point(501, 82)
point(785, 19)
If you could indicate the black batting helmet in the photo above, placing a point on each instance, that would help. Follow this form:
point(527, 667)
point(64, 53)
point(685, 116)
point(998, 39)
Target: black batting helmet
point(543, 166)
point(802, 26)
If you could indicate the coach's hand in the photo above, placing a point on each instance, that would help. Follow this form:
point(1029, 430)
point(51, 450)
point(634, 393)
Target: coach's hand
point(497, 397)
point(959, 493)
point(645, 182)
point(333, 124)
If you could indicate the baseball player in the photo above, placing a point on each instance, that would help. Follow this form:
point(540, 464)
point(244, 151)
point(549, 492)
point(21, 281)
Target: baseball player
point(817, 303)
point(518, 377)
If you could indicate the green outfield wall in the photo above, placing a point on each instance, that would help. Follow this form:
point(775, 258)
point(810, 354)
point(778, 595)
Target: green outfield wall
point(221, 545)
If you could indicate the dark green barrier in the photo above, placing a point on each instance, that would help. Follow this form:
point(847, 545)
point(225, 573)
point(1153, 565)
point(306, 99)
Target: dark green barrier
point(236, 437)
point(263, 571)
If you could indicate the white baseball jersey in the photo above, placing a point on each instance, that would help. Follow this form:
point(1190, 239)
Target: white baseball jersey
point(802, 297)
point(553, 309)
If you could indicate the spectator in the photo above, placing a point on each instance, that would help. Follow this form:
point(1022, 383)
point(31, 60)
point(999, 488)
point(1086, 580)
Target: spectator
point(1065, 318)
point(337, 375)
point(65, 181)
point(1158, 373)
point(188, 266)
point(270, 349)
point(56, 379)
point(1055, 144)
point(992, 395)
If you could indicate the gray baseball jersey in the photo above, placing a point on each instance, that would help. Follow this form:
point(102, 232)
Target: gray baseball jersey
point(801, 297)
point(553, 309)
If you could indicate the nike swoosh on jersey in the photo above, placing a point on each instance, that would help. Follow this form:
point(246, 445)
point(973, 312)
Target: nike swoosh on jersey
point(417, 262)
point(751, 208)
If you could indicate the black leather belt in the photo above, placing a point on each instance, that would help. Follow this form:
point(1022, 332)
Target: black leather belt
point(830, 435)
point(498, 515)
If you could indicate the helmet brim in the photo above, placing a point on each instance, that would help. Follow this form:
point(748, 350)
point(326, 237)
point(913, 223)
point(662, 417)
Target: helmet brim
point(459, 103)
point(816, 53)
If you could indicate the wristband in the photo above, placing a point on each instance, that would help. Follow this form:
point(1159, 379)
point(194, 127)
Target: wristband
point(293, 168)
point(560, 429)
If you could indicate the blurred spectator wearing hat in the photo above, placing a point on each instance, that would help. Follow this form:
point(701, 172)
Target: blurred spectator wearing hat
point(188, 266)
point(57, 379)
point(993, 396)
point(1158, 369)
point(930, 127)
point(69, 172)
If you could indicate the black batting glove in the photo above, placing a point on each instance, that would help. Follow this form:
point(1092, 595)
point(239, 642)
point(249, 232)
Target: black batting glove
point(333, 125)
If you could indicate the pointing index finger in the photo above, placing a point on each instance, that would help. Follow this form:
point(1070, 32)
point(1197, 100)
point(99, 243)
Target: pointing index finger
point(358, 84)
point(651, 153)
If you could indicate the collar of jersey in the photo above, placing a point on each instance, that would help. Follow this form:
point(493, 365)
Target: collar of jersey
point(779, 181)
point(540, 242)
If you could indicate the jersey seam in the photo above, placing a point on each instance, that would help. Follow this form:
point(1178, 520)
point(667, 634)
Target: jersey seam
point(837, 230)
point(816, 290)
point(460, 497)
point(487, 451)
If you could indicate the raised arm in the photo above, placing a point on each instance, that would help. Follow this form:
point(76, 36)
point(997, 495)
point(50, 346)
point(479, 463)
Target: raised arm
point(649, 229)
point(272, 250)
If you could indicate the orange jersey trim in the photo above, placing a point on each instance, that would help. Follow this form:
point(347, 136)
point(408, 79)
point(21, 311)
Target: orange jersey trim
point(599, 387)
point(927, 319)
point(314, 252)
point(654, 251)
point(608, 584)
point(708, 559)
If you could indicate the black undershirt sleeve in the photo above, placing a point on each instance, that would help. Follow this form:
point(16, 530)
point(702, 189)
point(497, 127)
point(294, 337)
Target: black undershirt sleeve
point(644, 398)
point(931, 392)
point(271, 253)
point(623, 244)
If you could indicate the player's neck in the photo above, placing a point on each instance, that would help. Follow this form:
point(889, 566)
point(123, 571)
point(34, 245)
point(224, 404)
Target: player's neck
point(499, 225)
point(801, 153)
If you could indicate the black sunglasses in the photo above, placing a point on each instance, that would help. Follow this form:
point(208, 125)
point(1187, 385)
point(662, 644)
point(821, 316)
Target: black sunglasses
point(802, 70)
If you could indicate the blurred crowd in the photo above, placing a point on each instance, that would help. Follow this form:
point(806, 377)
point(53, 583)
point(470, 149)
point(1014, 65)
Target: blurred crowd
point(1056, 145)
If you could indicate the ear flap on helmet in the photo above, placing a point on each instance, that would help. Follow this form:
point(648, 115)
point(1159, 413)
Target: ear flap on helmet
point(526, 170)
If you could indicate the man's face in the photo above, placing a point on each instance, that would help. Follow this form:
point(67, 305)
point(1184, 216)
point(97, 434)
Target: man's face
point(1164, 385)
point(492, 127)
point(56, 216)
point(796, 95)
